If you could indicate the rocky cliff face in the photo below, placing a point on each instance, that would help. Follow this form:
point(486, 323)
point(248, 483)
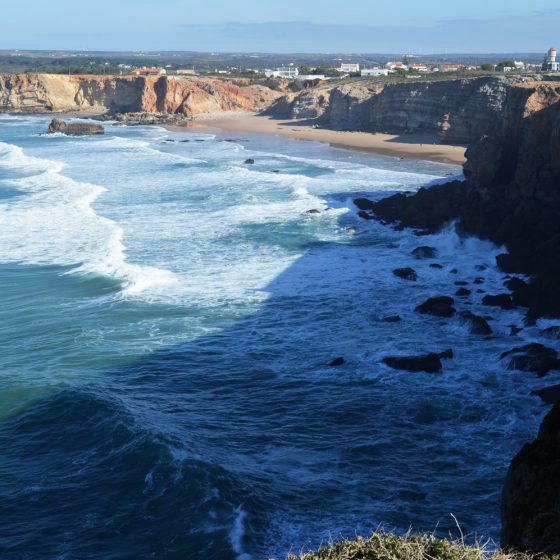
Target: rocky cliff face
point(531, 495)
point(511, 195)
point(28, 93)
point(458, 111)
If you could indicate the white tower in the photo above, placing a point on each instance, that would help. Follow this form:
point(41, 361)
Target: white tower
point(553, 64)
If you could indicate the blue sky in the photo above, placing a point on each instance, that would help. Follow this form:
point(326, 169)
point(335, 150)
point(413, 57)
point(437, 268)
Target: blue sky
point(415, 26)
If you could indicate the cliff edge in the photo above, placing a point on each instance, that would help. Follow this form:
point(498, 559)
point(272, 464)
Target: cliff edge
point(455, 111)
point(41, 93)
point(511, 195)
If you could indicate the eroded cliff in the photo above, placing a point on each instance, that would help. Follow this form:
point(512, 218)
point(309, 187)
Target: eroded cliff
point(28, 93)
point(457, 111)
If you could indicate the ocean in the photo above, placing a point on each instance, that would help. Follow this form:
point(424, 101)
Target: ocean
point(168, 317)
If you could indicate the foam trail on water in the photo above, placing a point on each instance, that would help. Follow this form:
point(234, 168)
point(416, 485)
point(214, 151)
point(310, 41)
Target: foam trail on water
point(237, 533)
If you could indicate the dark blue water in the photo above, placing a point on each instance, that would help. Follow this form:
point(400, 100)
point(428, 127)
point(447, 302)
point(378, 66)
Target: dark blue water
point(168, 315)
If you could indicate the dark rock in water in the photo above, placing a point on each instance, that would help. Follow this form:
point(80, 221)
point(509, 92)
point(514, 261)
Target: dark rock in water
point(551, 332)
point(436, 265)
point(427, 209)
point(364, 204)
point(463, 292)
point(391, 319)
point(169, 140)
point(337, 362)
point(406, 274)
point(533, 357)
point(425, 252)
point(499, 300)
point(430, 363)
point(509, 263)
point(454, 271)
point(476, 324)
point(365, 216)
point(480, 291)
point(531, 493)
point(479, 280)
point(514, 284)
point(184, 141)
point(313, 211)
point(460, 283)
point(481, 267)
point(249, 161)
point(514, 330)
point(275, 171)
point(441, 306)
point(550, 395)
point(75, 129)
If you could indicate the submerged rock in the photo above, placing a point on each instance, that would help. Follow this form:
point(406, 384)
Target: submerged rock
point(476, 324)
point(406, 274)
point(75, 129)
point(532, 357)
point(391, 319)
point(514, 284)
point(425, 252)
point(249, 161)
point(430, 363)
point(551, 332)
point(500, 300)
point(463, 292)
point(337, 362)
point(441, 306)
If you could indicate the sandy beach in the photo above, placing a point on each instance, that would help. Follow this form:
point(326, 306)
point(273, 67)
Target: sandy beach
point(411, 146)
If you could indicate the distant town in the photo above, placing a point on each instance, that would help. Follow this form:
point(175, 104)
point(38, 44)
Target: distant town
point(269, 67)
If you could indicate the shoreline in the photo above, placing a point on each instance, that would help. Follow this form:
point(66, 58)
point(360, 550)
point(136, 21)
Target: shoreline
point(414, 146)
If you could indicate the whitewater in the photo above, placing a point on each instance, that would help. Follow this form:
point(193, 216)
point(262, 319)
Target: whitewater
point(168, 317)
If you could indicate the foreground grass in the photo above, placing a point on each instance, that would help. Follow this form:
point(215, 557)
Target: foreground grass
point(386, 546)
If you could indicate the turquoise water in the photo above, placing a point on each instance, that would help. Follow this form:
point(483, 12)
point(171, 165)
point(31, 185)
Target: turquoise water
point(168, 314)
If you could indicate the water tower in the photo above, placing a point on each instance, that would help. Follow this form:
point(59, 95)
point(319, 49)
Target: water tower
point(552, 55)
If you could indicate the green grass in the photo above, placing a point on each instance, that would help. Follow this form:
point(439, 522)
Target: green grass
point(387, 546)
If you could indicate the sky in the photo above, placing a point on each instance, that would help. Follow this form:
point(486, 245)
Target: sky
point(351, 26)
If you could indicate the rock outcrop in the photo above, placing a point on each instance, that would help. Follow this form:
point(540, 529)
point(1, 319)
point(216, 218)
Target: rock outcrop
point(40, 93)
point(455, 111)
point(76, 128)
point(511, 194)
point(531, 494)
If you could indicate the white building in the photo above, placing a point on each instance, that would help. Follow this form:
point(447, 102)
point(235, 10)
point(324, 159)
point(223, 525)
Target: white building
point(349, 68)
point(552, 64)
point(310, 77)
point(286, 72)
point(374, 72)
point(394, 66)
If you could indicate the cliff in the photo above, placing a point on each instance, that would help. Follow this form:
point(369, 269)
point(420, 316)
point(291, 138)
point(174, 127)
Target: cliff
point(511, 194)
point(39, 93)
point(456, 111)
point(531, 495)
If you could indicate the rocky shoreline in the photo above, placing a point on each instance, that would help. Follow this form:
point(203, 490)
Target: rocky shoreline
point(511, 196)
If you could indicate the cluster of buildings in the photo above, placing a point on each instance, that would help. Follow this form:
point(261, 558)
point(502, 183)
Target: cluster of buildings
point(291, 72)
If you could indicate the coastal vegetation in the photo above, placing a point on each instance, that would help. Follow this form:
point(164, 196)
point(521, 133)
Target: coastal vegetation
point(387, 546)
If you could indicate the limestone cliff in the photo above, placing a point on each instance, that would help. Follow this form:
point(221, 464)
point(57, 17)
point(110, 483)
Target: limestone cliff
point(28, 93)
point(458, 111)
